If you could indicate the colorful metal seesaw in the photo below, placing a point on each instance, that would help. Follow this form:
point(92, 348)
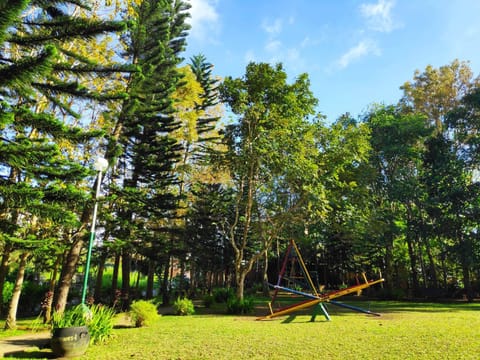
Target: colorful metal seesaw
point(315, 298)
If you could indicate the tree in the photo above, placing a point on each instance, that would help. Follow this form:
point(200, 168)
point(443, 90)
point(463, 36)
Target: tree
point(42, 82)
point(452, 162)
point(271, 153)
point(435, 92)
point(336, 239)
point(397, 145)
point(142, 139)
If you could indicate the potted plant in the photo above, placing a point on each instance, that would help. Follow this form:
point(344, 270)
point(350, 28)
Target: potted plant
point(70, 336)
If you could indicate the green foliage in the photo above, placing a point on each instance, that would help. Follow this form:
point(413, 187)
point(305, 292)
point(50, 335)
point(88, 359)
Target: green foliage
point(76, 316)
point(143, 313)
point(391, 294)
point(237, 306)
point(184, 306)
point(100, 324)
point(98, 318)
point(7, 292)
point(221, 295)
point(33, 294)
point(406, 330)
point(208, 300)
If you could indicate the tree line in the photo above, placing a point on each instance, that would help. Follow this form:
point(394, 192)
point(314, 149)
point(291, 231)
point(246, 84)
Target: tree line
point(192, 191)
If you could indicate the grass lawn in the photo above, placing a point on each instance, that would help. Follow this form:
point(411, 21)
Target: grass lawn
point(404, 331)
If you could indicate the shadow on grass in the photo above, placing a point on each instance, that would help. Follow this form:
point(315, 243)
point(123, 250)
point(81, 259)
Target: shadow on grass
point(377, 306)
point(30, 355)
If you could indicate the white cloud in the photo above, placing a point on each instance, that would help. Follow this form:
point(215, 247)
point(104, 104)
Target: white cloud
point(249, 56)
point(273, 27)
point(363, 48)
point(379, 16)
point(204, 19)
point(273, 46)
point(293, 55)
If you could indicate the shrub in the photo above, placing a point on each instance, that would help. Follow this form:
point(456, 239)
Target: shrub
point(394, 294)
point(143, 313)
point(7, 292)
point(100, 326)
point(183, 306)
point(76, 316)
point(98, 319)
point(255, 288)
point(222, 295)
point(236, 306)
point(208, 300)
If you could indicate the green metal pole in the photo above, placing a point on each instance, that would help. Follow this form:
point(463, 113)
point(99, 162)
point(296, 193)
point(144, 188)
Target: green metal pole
point(92, 238)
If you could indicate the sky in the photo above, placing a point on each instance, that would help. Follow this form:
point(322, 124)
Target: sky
point(356, 52)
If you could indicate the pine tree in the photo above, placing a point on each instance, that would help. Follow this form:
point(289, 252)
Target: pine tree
point(203, 72)
point(43, 83)
point(147, 152)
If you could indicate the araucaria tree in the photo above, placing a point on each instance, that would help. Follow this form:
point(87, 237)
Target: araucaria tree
point(43, 80)
point(271, 155)
point(142, 140)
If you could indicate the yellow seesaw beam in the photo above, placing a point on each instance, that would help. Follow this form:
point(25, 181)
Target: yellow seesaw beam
point(349, 290)
point(292, 308)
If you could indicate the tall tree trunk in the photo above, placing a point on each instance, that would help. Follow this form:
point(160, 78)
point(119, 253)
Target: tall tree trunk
point(265, 287)
point(99, 280)
point(73, 257)
point(68, 271)
point(47, 306)
point(7, 250)
point(182, 282)
point(116, 267)
point(126, 257)
point(465, 248)
point(240, 282)
point(389, 270)
point(431, 266)
point(466, 282)
point(413, 265)
point(150, 279)
point(422, 265)
point(137, 293)
point(165, 292)
point(11, 321)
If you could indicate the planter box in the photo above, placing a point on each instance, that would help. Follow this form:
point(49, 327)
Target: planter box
point(70, 341)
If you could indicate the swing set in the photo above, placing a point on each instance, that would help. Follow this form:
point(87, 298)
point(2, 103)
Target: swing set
point(314, 298)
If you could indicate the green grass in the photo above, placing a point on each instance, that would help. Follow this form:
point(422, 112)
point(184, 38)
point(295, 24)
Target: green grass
point(24, 326)
point(404, 331)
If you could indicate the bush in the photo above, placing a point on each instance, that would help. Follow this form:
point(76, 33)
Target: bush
point(100, 326)
point(32, 295)
point(76, 316)
point(394, 294)
point(183, 306)
point(98, 319)
point(7, 292)
point(208, 300)
point(236, 306)
point(222, 295)
point(143, 313)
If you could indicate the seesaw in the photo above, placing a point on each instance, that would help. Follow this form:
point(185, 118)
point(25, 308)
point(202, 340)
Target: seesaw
point(314, 298)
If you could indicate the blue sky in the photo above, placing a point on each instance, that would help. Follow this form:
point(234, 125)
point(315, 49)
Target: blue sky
point(356, 52)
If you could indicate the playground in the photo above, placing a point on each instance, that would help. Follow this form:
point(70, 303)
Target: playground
point(354, 328)
point(403, 331)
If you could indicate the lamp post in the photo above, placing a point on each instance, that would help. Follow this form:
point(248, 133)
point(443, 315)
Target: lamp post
point(100, 166)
